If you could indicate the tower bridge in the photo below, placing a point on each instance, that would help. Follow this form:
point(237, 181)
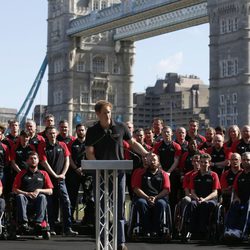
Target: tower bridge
point(91, 52)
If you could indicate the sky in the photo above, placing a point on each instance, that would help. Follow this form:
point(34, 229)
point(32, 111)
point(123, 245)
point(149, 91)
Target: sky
point(23, 47)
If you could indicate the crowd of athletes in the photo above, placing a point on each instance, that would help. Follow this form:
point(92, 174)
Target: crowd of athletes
point(196, 169)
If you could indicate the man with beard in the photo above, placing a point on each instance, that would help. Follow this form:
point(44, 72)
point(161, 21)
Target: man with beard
point(151, 186)
point(31, 186)
point(76, 176)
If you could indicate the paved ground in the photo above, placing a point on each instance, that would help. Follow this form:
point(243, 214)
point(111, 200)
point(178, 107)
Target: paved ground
point(87, 243)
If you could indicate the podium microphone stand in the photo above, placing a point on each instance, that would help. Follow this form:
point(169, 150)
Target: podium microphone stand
point(106, 215)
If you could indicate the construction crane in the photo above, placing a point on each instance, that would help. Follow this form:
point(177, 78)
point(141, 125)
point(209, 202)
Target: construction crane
point(21, 115)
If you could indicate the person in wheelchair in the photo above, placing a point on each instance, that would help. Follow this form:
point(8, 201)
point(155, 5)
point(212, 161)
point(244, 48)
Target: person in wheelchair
point(204, 187)
point(151, 187)
point(31, 187)
point(227, 179)
point(2, 203)
point(238, 215)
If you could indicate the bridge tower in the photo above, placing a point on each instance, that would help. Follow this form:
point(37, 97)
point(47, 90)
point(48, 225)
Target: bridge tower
point(229, 62)
point(84, 70)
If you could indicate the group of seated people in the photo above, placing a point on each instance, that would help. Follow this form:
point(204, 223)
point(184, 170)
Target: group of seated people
point(43, 168)
point(196, 171)
point(203, 188)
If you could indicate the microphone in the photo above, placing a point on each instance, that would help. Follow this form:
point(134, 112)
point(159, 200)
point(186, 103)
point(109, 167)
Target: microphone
point(108, 131)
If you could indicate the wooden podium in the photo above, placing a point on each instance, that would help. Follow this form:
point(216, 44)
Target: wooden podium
point(106, 215)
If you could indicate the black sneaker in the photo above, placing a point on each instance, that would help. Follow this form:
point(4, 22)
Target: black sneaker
point(70, 232)
point(25, 227)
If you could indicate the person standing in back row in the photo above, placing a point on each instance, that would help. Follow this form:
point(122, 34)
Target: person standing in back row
point(54, 156)
point(192, 132)
point(77, 176)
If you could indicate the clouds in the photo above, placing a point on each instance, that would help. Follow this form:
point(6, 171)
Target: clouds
point(172, 63)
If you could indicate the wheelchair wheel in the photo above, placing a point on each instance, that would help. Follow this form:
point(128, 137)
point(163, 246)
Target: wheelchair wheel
point(216, 227)
point(168, 225)
point(133, 226)
point(177, 221)
point(185, 235)
point(4, 234)
point(220, 225)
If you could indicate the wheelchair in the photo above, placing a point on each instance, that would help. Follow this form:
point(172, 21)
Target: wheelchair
point(135, 230)
point(244, 234)
point(16, 230)
point(217, 224)
point(181, 222)
point(3, 229)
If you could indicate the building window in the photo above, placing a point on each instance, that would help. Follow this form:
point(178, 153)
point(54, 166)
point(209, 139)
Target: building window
point(236, 67)
point(224, 68)
point(95, 5)
point(234, 97)
point(230, 68)
point(58, 97)
point(230, 25)
point(116, 69)
point(223, 26)
point(98, 94)
point(104, 5)
point(222, 111)
point(84, 97)
point(58, 66)
point(80, 66)
point(236, 23)
point(98, 64)
point(222, 99)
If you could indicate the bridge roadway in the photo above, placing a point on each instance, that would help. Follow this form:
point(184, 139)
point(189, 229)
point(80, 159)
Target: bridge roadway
point(85, 242)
